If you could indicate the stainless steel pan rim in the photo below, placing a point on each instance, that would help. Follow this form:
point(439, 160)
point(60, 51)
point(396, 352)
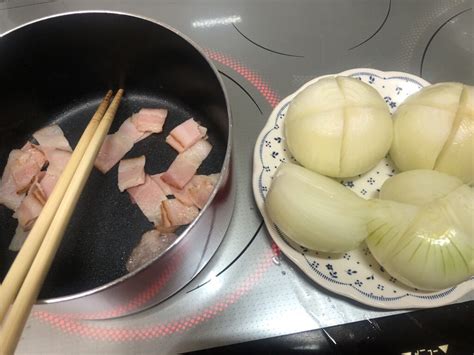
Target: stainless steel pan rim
point(223, 173)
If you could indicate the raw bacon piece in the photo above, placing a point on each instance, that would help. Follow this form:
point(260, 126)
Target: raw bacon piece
point(23, 170)
point(185, 135)
point(163, 229)
point(150, 119)
point(36, 190)
point(116, 145)
point(165, 226)
point(8, 194)
point(152, 244)
point(148, 197)
point(129, 129)
point(163, 185)
point(174, 143)
point(47, 184)
point(29, 210)
point(52, 136)
point(195, 193)
point(200, 188)
point(181, 195)
point(113, 149)
point(165, 221)
point(36, 153)
point(186, 164)
point(58, 160)
point(177, 213)
point(131, 172)
point(18, 239)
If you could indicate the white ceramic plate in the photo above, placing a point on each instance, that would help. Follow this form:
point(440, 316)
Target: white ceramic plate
point(355, 274)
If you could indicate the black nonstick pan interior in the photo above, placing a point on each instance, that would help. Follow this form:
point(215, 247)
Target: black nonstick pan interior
point(57, 71)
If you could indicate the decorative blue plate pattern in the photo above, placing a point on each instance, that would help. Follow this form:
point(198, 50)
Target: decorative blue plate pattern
point(355, 274)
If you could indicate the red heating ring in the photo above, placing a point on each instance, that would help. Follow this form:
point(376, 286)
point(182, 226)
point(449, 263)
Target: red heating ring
point(137, 301)
point(253, 78)
point(118, 334)
point(70, 323)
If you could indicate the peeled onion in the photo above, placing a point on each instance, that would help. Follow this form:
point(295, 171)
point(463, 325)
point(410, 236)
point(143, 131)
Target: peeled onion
point(423, 237)
point(315, 211)
point(338, 127)
point(434, 129)
point(418, 187)
point(429, 247)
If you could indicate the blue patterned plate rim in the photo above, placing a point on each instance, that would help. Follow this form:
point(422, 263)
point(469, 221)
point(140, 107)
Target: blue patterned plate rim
point(406, 298)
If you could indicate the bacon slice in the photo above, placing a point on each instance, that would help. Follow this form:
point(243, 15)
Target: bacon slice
point(174, 143)
point(186, 164)
point(113, 149)
point(186, 135)
point(131, 172)
point(177, 213)
point(18, 239)
point(132, 130)
point(152, 244)
point(150, 119)
point(163, 185)
point(23, 170)
point(165, 221)
point(148, 197)
point(129, 129)
point(8, 187)
point(195, 193)
point(36, 153)
point(165, 226)
point(29, 210)
point(52, 136)
point(36, 190)
point(200, 187)
point(47, 184)
point(181, 195)
point(58, 160)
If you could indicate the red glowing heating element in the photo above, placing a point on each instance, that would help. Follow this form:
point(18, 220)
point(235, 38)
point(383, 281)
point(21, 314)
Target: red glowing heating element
point(76, 327)
point(71, 323)
point(137, 301)
point(253, 78)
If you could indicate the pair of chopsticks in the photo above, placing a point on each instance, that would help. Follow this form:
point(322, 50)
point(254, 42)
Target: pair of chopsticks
point(23, 282)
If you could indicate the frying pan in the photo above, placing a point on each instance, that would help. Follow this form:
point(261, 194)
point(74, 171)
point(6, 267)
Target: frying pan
point(56, 70)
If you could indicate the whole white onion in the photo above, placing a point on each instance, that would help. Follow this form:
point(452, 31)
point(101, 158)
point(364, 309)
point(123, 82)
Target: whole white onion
point(338, 127)
point(434, 129)
point(421, 236)
point(430, 248)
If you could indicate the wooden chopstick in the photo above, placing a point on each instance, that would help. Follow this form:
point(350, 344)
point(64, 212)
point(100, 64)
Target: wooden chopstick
point(16, 318)
point(27, 253)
